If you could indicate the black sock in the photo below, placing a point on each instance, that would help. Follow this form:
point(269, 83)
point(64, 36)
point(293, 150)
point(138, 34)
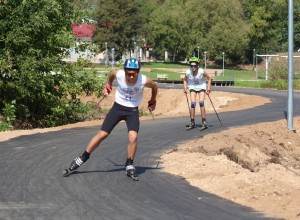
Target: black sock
point(129, 161)
point(85, 156)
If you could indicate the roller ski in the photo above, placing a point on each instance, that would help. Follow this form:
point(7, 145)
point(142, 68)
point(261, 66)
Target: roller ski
point(203, 126)
point(192, 125)
point(76, 163)
point(130, 170)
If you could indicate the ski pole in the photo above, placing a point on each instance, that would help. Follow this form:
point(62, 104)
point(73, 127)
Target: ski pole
point(188, 104)
point(108, 88)
point(101, 100)
point(151, 114)
point(150, 109)
point(214, 109)
point(104, 96)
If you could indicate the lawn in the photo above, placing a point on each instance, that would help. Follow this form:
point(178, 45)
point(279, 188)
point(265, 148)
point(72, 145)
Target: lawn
point(241, 78)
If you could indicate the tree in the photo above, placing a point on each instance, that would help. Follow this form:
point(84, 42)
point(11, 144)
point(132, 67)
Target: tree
point(84, 9)
point(32, 36)
point(219, 26)
point(120, 22)
point(267, 20)
point(169, 29)
point(182, 26)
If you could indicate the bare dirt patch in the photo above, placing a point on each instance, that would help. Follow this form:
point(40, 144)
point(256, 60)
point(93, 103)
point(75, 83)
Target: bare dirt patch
point(257, 166)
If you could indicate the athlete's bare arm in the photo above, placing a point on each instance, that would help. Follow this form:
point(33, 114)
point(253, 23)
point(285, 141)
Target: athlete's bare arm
point(153, 86)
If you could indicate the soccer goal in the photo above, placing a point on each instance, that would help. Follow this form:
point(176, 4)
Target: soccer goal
point(267, 58)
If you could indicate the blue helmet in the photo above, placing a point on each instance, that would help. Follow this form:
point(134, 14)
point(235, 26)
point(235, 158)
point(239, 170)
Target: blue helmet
point(132, 63)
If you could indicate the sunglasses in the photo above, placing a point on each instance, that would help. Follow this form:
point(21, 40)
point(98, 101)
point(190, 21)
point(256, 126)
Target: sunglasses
point(132, 72)
point(193, 66)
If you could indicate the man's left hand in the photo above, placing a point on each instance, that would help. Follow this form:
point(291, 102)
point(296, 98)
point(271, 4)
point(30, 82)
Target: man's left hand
point(151, 105)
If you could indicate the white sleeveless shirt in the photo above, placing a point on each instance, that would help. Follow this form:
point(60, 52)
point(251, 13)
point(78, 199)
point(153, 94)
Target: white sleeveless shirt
point(129, 96)
point(196, 82)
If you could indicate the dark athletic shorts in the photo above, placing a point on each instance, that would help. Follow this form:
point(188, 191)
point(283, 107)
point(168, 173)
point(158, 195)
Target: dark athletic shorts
point(118, 113)
point(202, 90)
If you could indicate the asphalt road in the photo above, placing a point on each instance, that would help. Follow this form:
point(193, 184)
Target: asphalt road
point(32, 187)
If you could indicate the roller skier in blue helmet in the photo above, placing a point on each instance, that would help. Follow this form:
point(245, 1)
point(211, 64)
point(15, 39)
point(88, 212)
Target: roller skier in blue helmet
point(128, 95)
point(198, 83)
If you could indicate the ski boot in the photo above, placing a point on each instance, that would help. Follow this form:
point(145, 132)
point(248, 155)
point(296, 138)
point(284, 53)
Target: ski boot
point(204, 125)
point(191, 125)
point(130, 170)
point(76, 163)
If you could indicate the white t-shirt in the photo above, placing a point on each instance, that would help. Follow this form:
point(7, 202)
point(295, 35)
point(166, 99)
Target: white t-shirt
point(129, 96)
point(197, 82)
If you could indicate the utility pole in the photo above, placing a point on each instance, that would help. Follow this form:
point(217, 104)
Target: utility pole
point(256, 69)
point(205, 59)
point(290, 114)
point(112, 57)
point(253, 59)
point(106, 54)
point(223, 62)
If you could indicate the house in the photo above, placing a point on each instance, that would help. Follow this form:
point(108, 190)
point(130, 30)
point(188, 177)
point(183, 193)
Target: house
point(83, 32)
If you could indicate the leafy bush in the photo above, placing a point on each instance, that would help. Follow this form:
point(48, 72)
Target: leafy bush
point(36, 88)
point(278, 76)
point(44, 99)
point(4, 126)
point(9, 115)
point(279, 71)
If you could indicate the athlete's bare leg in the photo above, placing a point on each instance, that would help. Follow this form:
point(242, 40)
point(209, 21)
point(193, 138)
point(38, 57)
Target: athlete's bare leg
point(96, 141)
point(132, 144)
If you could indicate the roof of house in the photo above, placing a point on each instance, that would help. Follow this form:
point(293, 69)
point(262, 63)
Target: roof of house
point(83, 30)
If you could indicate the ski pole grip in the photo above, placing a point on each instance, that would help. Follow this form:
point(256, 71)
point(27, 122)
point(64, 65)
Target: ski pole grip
point(108, 88)
point(151, 102)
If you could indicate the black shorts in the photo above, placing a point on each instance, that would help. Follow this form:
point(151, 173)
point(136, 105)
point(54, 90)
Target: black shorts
point(118, 113)
point(202, 90)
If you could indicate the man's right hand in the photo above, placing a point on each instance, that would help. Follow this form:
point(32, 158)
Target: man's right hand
point(107, 90)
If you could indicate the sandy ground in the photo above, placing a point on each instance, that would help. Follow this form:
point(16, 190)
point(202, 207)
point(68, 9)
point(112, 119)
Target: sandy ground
point(256, 166)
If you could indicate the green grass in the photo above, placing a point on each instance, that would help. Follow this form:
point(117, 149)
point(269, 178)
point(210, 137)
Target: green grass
point(236, 75)
point(241, 78)
point(250, 84)
point(170, 74)
point(165, 65)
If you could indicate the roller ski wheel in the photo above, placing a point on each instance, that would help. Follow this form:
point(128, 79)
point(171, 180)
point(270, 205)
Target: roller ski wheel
point(130, 172)
point(204, 126)
point(68, 172)
point(187, 129)
point(135, 177)
point(76, 163)
point(191, 126)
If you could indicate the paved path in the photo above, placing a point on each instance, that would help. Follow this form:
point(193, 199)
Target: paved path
point(32, 187)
